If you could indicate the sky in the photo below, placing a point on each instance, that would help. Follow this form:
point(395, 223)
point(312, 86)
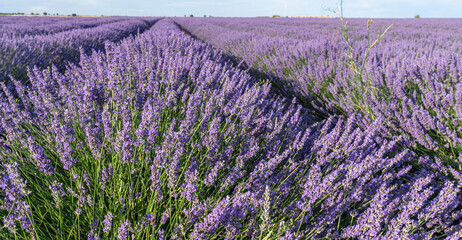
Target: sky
point(240, 8)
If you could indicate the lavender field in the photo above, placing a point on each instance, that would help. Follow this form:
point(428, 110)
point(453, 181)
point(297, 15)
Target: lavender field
point(230, 128)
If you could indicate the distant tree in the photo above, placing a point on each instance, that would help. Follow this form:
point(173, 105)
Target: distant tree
point(185, 15)
point(191, 15)
point(74, 14)
point(205, 15)
point(417, 16)
point(276, 16)
point(45, 13)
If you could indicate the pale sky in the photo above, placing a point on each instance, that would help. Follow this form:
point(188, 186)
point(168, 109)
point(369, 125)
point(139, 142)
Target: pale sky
point(240, 8)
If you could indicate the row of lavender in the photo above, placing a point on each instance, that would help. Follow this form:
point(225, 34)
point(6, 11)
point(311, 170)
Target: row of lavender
point(33, 20)
point(19, 53)
point(21, 26)
point(411, 77)
point(161, 137)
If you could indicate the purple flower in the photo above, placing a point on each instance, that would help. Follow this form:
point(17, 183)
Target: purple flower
point(165, 216)
point(40, 158)
point(13, 188)
point(107, 125)
point(106, 175)
point(78, 211)
point(107, 222)
point(213, 220)
point(190, 184)
point(93, 235)
point(161, 234)
point(94, 141)
point(124, 230)
point(64, 137)
point(86, 178)
point(57, 192)
point(148, 219)
point(125, 139)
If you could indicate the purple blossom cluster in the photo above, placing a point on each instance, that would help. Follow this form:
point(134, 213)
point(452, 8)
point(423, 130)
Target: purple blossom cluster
point(107, 222)
point(163, 136)
point(13, 188)
point(39, 157)
point(124, 230)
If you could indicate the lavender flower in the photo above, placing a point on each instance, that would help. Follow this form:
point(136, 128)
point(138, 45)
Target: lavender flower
point(107, 222)
point(78, 211)
point(190, 185)
point(125, 141)
point(148, 219)
point(165, 216)
point(161, 234)
point(93, 235)
point(57, 192)
point(14, 189)
point(40, 158)
point(94, 141)
point(124, 230)
point(106, 175)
